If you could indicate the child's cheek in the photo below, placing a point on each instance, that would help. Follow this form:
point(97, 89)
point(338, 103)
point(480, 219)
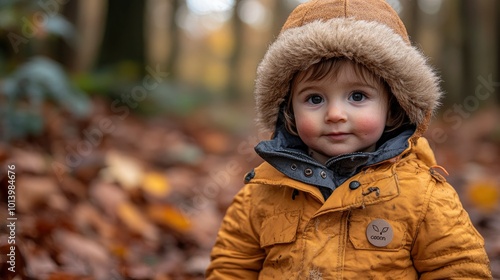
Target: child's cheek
point(370, 125)
point(306, 128)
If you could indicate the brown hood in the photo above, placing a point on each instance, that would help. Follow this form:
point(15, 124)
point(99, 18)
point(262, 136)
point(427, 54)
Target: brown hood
point(368, 32)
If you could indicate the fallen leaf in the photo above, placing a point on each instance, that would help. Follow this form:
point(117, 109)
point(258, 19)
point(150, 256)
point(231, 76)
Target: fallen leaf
point(169, 216)
point(28, 161)
point(38, 191)
point(89, 167)
point(135, 221)
point(125, 170)
point(156, 184)
point(119, 250)
point(67, 276)
point(484, 195)
point(108, 197)
point(79, 251)
point(4, 151)
point(40, 264)
point(214, 142)
point(182, 179)
point(86, 217)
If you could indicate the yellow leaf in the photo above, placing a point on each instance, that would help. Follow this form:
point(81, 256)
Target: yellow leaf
point(135, 221)
point(156, 184)
point(484, 194)
point(169, 216)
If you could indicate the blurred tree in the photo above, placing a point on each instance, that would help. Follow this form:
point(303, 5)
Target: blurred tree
point(124, 33)
point(461, 40)
point(90, 19)
point(175, 40)
point(65, 53)
point(470, 43)
point(450, 58)
point(479, 39)
point(496, 46)
point(281, 10)
point(411, 17)
point(234, 88)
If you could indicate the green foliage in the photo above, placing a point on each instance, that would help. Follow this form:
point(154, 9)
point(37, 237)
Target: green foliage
point(37, 81)
point(28, 80)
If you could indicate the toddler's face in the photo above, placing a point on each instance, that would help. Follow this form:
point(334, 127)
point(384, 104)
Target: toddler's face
point(339, 113)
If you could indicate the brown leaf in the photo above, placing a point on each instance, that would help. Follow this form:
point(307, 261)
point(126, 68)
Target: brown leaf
point(19, 261)
point(68, 276)
point(86, 217)
point(28, 161)
point(40, 264)
point(89, 167)
point(214, 141)
point(76, 247)
point(39, 191)
point(182, 179)
point(108, 197)
point(4, 152)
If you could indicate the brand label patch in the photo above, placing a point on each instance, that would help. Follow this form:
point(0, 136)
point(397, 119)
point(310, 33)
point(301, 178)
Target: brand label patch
point(379, 233)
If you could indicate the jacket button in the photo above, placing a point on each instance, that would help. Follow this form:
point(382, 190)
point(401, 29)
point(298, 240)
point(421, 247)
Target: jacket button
point(308, 172)
point(323, 174)
point(293, 166)
point(354, 185)
point(249, 176)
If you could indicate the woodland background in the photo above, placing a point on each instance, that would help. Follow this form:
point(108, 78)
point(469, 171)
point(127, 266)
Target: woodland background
point(130, 126)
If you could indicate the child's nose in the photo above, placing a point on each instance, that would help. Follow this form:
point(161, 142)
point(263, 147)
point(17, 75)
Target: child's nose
point(335, 113)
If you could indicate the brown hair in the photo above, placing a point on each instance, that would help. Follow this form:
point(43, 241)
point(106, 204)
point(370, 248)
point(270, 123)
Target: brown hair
point(396, 115)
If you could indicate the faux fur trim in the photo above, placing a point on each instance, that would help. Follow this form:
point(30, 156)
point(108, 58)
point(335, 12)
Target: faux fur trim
point(372, 44)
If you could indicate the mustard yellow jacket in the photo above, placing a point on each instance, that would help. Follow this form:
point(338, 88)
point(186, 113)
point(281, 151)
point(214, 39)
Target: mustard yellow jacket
point(398, 219)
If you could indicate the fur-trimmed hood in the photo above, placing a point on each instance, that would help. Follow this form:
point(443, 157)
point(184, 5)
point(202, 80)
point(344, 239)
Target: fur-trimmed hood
point(368, 32)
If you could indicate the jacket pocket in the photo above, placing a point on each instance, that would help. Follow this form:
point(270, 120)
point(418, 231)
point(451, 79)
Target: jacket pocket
point(364, 234)
point(280, 228)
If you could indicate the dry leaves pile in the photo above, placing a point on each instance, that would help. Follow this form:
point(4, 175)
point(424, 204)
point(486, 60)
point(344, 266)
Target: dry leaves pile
point(120, 197)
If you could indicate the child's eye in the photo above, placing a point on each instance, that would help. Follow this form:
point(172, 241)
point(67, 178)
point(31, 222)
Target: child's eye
point(357, 96)
point(315, 99)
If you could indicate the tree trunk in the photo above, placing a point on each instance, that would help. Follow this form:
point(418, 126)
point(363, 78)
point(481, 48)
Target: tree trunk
point(123, 35)
point(234, 89)
point(175, 42)
point(66, 51)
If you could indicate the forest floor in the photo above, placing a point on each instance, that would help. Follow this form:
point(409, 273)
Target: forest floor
point(128, 197)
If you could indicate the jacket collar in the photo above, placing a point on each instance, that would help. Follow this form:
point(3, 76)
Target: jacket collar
point(288, 154)
point(373, 187)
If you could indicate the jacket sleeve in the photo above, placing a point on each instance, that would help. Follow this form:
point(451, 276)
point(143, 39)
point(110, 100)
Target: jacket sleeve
point(237, 253)
point(447, 245)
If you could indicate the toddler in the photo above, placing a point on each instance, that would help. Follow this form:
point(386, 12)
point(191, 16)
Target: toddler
point(348, 189)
